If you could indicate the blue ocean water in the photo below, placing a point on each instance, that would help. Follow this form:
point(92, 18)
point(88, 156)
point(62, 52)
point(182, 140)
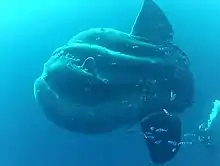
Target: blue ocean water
point(31, 30)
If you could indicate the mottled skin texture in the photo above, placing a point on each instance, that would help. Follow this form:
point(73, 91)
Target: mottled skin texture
point(123, 81)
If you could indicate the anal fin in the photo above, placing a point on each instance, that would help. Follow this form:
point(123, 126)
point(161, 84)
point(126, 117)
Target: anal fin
point(162, 134)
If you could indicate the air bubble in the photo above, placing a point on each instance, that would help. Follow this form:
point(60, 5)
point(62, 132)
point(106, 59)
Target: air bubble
point(161, 130)
point(189, 135)
point(135, 46)
point(185, 143)
point(158, 142)
point(166, 112)
point(172, 143)
point(172, 96)
point(173, 150)
point(113, 64)
point(145, 99)
point(148, 137)
point(148, 133)
point(152, 128)
point(105, 80)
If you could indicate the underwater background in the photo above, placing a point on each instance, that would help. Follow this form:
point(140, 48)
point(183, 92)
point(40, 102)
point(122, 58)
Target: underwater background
point(29, 33)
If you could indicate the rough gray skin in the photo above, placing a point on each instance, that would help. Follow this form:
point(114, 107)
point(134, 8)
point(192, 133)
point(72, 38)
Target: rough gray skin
point(104, 79)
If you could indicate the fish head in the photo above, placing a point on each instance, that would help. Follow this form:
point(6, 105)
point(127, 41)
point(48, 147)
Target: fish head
point(70, 79)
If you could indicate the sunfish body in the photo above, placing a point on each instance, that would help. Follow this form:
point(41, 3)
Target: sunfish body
point(104, 79)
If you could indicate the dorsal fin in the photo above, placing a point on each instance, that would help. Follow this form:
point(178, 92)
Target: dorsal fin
point(152, 25)
point(90, 65)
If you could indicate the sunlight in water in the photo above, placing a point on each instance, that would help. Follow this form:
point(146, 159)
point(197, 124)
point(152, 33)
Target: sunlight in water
point(14, 12)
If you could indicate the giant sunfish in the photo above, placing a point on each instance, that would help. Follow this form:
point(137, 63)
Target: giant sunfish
point(104, 79)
